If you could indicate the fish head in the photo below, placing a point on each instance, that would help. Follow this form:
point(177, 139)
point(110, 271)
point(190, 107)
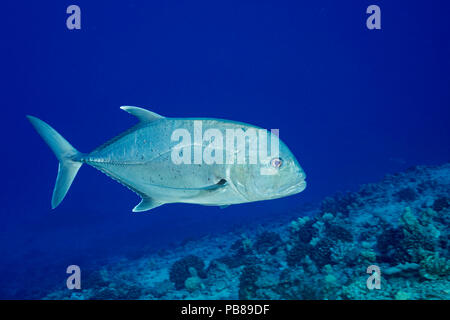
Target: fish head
point(271, 178)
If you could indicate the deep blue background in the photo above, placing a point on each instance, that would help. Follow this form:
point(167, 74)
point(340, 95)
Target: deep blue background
point(352, 104)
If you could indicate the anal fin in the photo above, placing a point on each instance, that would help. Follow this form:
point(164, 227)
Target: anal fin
point(146, 204)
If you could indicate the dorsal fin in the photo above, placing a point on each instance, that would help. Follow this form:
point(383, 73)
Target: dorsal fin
point(147, 203)
point(142, 114)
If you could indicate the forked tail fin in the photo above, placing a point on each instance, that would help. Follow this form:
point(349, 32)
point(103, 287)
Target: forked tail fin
point(66, 154)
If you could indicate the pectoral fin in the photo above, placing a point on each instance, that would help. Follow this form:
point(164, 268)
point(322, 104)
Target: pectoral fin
point(206, 191)
point(146, 204)
point(218, 185)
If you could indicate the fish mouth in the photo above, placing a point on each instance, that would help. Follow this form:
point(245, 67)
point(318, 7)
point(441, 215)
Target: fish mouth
point(296, 188)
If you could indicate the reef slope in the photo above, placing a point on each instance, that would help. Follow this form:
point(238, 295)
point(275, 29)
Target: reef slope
point(400, 224)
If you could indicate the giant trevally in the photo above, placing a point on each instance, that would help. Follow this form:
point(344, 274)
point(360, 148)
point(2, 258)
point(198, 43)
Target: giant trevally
point(153, 159)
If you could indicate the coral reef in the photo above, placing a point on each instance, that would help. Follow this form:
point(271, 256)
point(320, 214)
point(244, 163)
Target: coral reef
point(400, 225)
point(441, 203)
point(340, 203)
point(247, 282)
point(267, 241)
point(406, 195)
point(187, 267)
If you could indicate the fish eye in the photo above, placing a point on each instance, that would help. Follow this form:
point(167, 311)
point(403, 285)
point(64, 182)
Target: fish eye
point(276, 162)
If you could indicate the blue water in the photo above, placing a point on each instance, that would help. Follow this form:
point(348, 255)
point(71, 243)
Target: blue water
point(352, 104)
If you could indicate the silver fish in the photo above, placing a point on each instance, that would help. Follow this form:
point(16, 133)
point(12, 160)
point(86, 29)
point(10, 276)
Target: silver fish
point(141, 159)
